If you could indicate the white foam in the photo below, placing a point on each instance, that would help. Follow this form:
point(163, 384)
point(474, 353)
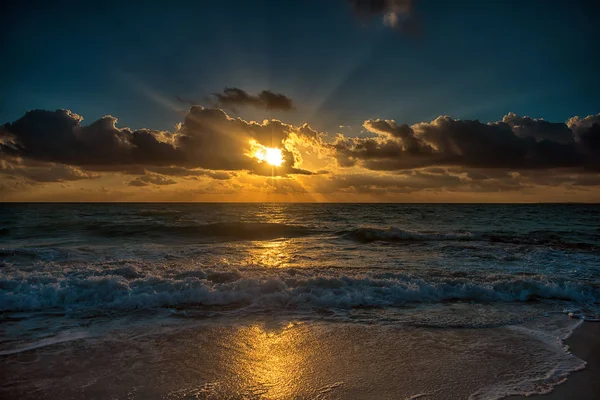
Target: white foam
point(543, 377)
point(304, 288)
point(61, 337)
point(421, 395)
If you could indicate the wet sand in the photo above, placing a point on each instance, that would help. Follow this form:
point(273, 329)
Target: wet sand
point(584, 384)
point(277, 360)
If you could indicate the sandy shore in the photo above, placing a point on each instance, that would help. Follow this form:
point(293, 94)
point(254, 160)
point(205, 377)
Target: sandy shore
point(282, 359)
point(584, 384)
point(263, 360)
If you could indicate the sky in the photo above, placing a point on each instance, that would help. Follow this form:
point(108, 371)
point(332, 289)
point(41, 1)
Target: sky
point(362, 100)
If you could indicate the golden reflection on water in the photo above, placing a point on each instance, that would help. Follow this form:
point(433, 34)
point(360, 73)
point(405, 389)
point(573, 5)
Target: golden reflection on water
point(272, 362)
point(278, 253)
point(274, 213)
point(271, 254)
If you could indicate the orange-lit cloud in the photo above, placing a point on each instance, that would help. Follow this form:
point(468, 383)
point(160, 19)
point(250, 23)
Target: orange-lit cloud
point(211, 156)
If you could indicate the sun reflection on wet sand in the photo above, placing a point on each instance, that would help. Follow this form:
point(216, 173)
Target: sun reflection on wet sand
point(272, 362)
point(270, 358)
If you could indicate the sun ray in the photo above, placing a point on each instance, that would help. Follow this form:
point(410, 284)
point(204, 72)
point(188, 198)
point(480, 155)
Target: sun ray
point(270, 155)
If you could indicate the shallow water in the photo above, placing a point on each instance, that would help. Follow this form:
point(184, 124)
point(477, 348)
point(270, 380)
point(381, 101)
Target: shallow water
point(86, 276)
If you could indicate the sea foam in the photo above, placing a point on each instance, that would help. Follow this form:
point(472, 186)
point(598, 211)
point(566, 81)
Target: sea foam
point(130, 287)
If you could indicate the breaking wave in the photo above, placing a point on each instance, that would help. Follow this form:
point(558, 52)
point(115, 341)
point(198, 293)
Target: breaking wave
point(129, 288)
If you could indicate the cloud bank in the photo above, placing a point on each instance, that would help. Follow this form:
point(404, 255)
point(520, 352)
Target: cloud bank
point(208, 139)
point(519, 143)
point(211, 153)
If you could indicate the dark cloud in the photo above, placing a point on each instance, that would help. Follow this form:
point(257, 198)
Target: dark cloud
point(285, 186)
point(58, 136)
point(435, 170)
point(539, 129)
point(587, 133)
point(423, 181)
point(558, 178)
point(187, 101)
point(184, 172)
point(444, 154)
point(151, 180)
point(516, 142)
point(385, 152)
point(586, 180)
point(36, 172)
point(232, 98)
point(207, 139)
point(213, 140)
point(400, 183)
point(137, 182)
point(403, 133)
point(398, 14)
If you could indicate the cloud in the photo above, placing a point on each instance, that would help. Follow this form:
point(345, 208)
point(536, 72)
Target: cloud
point(186, 101)
point(399, 183)
point(397, 14)
point(539, 129)
point(285, 186)
point(207, 139)
point(43, 172)
point(586, 132)
point(210, 154)
point(184, 172)
point(232, 98)
point(518, 143)
point(151, 180)
point(428, 180)
point(58, 136)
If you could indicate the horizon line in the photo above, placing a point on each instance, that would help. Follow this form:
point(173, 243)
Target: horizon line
point(301, 202)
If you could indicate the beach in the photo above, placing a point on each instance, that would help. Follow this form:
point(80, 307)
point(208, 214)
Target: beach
point(584, 384)
point(279, 359)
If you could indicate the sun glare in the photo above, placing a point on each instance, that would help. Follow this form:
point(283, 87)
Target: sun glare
point(269, 155)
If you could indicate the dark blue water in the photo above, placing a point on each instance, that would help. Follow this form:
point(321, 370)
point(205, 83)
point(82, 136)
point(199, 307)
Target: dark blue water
point(257, 282)
point(98, 257)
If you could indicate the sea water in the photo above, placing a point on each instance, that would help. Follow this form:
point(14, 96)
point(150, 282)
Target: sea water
point(470, 300)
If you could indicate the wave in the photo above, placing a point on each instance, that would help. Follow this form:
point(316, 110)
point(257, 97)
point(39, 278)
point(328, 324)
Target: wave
point(535, 238)
point(158, 229)
point(127, 289)
point(61, 337)
point(159, 212)
point(224, 230)
point(17, 252)
point(367, 235)
point(32, 253)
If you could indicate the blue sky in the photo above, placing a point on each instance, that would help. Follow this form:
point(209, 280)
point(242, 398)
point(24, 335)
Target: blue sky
point(345, 67)
point(470, 59)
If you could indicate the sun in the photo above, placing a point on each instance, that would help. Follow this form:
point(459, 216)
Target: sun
point(270, 155)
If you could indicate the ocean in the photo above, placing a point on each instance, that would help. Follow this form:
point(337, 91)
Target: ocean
point(281, 301)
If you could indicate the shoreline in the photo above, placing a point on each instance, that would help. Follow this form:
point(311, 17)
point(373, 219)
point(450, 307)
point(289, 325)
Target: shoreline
point(584, 343)
point(276, 359)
